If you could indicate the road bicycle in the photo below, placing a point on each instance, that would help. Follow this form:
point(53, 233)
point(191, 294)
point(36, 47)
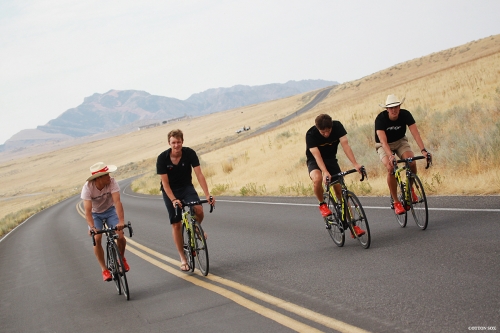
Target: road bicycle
point(114, 260)
point(409, 185)
point(193, 237)
point(346, 212)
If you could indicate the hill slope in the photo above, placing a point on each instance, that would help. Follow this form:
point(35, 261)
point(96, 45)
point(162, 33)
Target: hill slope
point(454, 94)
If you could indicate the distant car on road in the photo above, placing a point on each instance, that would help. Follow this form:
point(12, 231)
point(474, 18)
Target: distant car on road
point(244, 128)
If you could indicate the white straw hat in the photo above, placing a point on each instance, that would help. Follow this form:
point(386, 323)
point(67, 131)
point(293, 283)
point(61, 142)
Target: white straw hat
point(100, 169)
point(392, 101)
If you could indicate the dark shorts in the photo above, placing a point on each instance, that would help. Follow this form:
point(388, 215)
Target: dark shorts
point(187, 193)
point(331, 165)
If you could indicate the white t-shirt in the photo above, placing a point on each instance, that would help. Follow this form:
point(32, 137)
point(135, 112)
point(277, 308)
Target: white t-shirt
point(101, 200)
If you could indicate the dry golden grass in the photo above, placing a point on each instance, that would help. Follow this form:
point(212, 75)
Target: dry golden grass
point(273, 163)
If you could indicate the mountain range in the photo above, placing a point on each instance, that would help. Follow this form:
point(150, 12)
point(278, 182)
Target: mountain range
point(127, 109)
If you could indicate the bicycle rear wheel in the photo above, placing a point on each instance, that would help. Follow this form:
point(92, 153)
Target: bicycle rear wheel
point(333, 224)
point(403, 218)
point(200, 248)
point(419, 209)
point(355, 216)
point(188, 249)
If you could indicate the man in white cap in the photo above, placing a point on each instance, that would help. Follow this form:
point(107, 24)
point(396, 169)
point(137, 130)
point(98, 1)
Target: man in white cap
point(101, 200)
point(390, 136)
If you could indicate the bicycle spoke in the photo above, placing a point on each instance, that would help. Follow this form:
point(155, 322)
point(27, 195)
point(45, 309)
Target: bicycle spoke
point(201, 248)
point(356, 218)
point(419, 208)
point(403, 218)
point(333, 224)
point(188, 249)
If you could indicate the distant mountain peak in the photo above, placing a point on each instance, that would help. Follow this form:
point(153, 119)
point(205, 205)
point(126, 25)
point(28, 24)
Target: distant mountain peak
point(116, 108)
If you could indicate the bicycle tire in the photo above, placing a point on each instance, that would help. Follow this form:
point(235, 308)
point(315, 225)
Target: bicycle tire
point(355, 216)
point(112, 267)
point(123, 274)
point(403, 218)
point(188, 249)
point(119, 273)
point(200, 248)
point(419, 209)
point(333, 223)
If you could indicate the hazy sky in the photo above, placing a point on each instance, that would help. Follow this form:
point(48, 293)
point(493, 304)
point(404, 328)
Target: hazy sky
point(53, 53)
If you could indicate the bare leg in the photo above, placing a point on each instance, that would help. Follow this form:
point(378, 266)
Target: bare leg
point(177, 235)
point(199, 216)
point(122, 242)
point(99, 252)
point(317, 179)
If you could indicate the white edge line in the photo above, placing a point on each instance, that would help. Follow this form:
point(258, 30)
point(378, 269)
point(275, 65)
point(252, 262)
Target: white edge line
point(314, 205)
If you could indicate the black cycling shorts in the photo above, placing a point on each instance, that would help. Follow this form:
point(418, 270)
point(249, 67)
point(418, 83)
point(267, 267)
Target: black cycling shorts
point(331, 165)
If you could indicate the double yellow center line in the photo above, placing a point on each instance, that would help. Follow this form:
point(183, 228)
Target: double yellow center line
point(159, 260)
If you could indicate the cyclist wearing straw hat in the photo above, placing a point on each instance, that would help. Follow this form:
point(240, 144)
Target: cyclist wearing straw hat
point(390, 135)
point(101, 200)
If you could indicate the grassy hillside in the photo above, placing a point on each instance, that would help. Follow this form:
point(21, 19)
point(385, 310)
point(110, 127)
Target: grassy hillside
point(454, 95)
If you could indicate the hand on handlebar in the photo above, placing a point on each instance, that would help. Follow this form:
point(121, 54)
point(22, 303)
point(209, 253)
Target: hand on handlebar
point(428, 157)
point(120, 226)
point(327, 178)
point(363, 173)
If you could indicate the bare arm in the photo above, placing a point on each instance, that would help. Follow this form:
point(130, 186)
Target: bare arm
point(348, 152)
point(416, 135)
point(383, 141)
point(166, 187)
point(119, 210)
point(87, 206)
point(203, 183)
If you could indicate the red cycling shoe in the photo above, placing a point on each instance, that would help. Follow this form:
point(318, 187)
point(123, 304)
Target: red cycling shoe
point(125, 265)
point(398, 208)
point(359, 232)
point(325, 211)
point(106, 275)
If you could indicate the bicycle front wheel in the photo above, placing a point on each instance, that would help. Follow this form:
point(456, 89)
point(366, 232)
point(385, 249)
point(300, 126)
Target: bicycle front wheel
point(188, 248)
point(355, 216)
point(333, 223)
point(122, 276)
point(200, 248)
point(112, 266)
point(419, 208)
point(119, 274)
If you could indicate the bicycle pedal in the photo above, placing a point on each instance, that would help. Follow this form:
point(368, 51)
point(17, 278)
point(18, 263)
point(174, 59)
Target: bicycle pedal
point(328, 226)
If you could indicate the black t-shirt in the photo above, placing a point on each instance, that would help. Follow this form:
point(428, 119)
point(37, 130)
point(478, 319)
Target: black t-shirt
point(178, 175)
point(394, 130)
point(327, 146)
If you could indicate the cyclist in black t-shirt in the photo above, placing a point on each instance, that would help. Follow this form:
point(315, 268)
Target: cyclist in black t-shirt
point(322, 141)
point(174, 166)
point(390, 135)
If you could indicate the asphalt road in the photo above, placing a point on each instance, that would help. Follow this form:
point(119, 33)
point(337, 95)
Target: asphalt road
point(273, 268)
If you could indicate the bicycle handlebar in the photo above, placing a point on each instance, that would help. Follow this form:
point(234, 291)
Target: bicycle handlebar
point(342, 174)
point(103, 231)
point(193, 203)
point(411, 159)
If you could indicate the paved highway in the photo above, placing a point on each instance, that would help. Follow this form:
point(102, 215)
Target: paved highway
point(273, 268)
